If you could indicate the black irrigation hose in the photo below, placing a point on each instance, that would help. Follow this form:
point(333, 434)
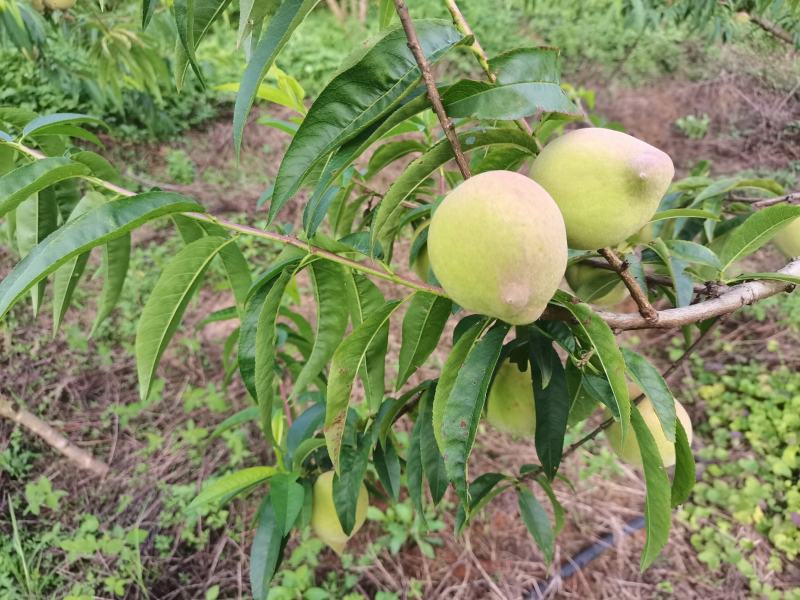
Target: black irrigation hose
point(582, 558)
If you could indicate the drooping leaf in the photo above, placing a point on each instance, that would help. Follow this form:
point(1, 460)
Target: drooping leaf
point(386, 221)
point(432, 461)
point(602, 339)
point(363, 296)
point(36, 218)
point(280, 28)
point(226, 487)
point(536, 520)
point(245, 415)
point(681, 281)
point(452, 367)
point(657, 501)
point(286, 496)
point(238, 273)
point(354, 458)
point(266, 550)
point(164, 308)
point(482, 490)
point(67, 275)
point(387, 465)
point(685, 470)
point(116, 259)
point(422, 327)
point(348, 359)
point(463, 407)
point(655, 388)
point(30, 178)
point(356, 98)
point(328, 279)
point(552, 403)
point(390, 152)
point(757, 230)
point(414, 469)
point(148, 9)
point(304, 427)
point(96, 227)
point(264, 367)
point(193, 19)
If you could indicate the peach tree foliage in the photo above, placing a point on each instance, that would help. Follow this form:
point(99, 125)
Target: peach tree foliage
point(58, 202)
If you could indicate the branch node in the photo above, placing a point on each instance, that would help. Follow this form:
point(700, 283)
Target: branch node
point(639, 296)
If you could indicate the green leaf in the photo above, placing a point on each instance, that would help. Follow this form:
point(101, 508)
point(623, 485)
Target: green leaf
point(332, 315)
point(602, 339)
point(44, 124)
point(356, 98)
point(464, 405)
point(266, 550)
point(280, 28)
point(347, 482)
point(164, 308)
point(286, 496)
point(36, 218)
point(386, 221)
point(484, 100)
point(558, 510)
point(245, 415)
point(264, 367)
point(681, 281)
point(685, 470)
point(657, 502)
point(681, 213)
point(33, 177)
point(96, 227)
point(481, 491)
point(116, 260)
point(414, 469)
point(67, 276)
point(655, 388)
point(148, 8)
point(363, 296)
point(694, 253)
point(432, 461)
point(193, 19)
point(348, 359)
point(447, 377)
point(423, 324)
point(226, 487)
point(304, 450)
point(536, 520)
point(552, 403)
point(238, 272)
point(385, 13)
point(757, 230)
point(389, 152)
point(387, 465)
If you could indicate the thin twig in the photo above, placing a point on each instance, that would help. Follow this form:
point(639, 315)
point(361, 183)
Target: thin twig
point(639, 296)
point(477, 50)
point(430, 84)
point(756, 203)
point(51, 437)
point(773, 29)
point(697, 288)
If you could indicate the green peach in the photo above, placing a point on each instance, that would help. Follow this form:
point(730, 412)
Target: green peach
point(498, 246)
point(788, 239)
point(510, 406)
point(629, 451)
point(607, 184)
point(324, 520)
point(595, 285)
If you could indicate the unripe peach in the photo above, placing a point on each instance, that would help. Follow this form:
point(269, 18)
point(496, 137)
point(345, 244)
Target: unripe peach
point(324, 520)
point(510, 406)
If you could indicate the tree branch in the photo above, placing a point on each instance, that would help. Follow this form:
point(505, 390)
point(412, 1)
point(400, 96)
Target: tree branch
point(430, 84)
point(697, 288)
point(646, 309)
point(52, 438)
point(775, 30)
point(729, 301)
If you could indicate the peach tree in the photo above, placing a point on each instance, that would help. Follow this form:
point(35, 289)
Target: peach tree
point(319, 390)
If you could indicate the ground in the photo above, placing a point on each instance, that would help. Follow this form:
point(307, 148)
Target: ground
point(160, 452)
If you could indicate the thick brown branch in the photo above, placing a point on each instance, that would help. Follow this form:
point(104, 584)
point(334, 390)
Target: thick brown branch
point(729, 301)
point(430, 84)
point(639, 296)
point(53, 438)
